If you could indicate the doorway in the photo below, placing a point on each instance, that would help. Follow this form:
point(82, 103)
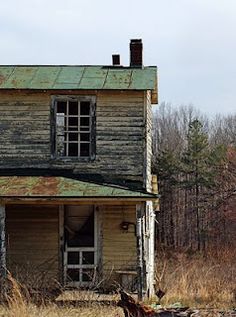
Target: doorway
point(80, 240)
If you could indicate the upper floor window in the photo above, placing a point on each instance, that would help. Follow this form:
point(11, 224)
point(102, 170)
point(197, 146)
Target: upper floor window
point(74, 127)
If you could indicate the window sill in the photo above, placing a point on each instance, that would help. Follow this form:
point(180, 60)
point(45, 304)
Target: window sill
point(72, 159)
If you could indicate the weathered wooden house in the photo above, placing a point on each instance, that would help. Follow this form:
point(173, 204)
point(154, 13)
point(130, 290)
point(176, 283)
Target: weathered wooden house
point(76, 199)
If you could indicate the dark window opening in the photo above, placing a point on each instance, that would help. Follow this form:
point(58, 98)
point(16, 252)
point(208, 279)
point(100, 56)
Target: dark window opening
point(73, 129)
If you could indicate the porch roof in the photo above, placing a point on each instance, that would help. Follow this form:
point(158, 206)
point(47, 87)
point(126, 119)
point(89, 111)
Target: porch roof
point(63, 187)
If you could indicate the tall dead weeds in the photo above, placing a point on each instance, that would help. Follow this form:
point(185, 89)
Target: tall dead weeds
point(197, 280)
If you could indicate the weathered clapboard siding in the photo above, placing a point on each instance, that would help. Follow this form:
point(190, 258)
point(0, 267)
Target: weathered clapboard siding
point(25, 129)
point(148, 146)
point(33, 241)
point(118, 247)
point(121, 134)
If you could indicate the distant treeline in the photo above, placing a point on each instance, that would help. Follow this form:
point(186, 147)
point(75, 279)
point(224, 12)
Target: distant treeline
point(195, 159)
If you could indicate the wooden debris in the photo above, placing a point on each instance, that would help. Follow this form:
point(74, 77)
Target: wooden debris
point(135, 309)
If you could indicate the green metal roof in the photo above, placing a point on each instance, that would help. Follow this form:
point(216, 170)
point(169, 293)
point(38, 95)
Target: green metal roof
point(78, 77)
point(62, 187)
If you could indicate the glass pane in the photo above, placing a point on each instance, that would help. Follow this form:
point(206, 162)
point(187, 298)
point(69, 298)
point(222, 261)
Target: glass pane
point(84, 121)
point(73, 121)
point(73, 149)
point(60, 118)
point(73, 136)
point(85, 129)
point(73, 107)
point(60, 145)
point(73, 257)
point(85, 137)
point(88, 257)
point(73, 275)
point(73, 128)
point(87, 275)
point(84, 149)
point(61, 107)
point(84, 108)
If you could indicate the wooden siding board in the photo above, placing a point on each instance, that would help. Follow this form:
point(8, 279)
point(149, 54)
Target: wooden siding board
point(25, 133)
point(119, 248)
point(33, 242)
point(149, 143)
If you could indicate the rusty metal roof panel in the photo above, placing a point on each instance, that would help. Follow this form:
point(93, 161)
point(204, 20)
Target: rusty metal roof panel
point(77, 77)
point(5, 73)
point(20, 77)
point(62, 187)
point(118, 79)
point(143, 78)
point(45, 77)
point(69, 77)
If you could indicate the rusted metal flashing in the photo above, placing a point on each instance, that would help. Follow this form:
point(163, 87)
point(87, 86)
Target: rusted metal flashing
point(62, 187)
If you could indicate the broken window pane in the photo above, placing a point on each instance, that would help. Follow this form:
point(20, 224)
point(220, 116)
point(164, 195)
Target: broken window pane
point(73, 136)
point(85, 137)
point(61, 107)
point(84, 129)
point(73, 275)
point(73, 258)
point(87, 275)
point(73, 149)
point(73, 108)
point(84, 149)
point(73, 121)
point(85, 108)
point(73, 128)
point(88, 257)
point(84, 121)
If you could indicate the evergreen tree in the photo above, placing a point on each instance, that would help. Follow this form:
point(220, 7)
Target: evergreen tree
point(199, 164)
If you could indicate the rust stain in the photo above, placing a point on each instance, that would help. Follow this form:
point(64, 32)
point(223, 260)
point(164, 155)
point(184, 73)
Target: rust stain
point(14, 82)
point(30, 186)
point(46, 186)
point(17, 187)
point(2, 79)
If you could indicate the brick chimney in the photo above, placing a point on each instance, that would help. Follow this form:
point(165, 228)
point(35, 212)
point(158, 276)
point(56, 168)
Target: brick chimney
point(136, 53)
point(116, 60)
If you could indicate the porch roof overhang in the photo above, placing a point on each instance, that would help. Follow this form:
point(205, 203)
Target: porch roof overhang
point(63, 189)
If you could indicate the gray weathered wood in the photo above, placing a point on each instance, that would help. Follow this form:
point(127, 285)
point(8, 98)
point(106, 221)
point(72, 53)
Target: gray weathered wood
point(139, 215)
point(2, 242)
point(122, 134)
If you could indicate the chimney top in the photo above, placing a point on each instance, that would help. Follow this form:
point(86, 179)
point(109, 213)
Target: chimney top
point(116, 60)
point(136, 53)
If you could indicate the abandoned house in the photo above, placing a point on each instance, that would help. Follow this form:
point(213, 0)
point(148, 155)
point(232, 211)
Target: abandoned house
point(76, 190)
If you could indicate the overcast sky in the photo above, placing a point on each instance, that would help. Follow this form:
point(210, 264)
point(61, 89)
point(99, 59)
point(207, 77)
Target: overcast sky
point(193, 42)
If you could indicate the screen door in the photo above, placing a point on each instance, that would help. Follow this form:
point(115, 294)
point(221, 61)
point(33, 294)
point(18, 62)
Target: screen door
point(80, 247)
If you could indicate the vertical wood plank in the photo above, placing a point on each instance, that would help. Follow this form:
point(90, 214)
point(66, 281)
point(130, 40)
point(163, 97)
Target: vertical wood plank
point(2, 242)
point(149, 244)
point(61, 244)
point(139, 215)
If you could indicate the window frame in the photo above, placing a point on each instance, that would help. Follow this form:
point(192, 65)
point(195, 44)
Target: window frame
point(73, 98)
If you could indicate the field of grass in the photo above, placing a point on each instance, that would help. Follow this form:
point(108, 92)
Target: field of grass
point(197, 281)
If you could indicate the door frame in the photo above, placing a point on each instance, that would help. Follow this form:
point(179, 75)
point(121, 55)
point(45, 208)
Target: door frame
point(63, 266)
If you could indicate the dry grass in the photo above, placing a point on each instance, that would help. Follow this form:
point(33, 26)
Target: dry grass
point(20, 303)
point(198, 280)
point(195, 281)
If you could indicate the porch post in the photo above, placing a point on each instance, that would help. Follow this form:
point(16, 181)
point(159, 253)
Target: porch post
point(139, 214)
point(2, 242)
